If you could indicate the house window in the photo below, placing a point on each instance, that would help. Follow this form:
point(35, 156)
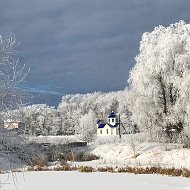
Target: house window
point(101, 131)
point(107, 131)
point(112, 120)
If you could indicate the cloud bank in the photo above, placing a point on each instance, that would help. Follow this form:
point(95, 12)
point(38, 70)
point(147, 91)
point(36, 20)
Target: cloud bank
point(79, 46)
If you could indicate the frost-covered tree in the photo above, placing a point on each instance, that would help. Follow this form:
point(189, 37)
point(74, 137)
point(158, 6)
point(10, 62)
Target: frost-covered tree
point(13, 146)
point(87, 127)
point(39, 119)
point(160, 81)
point(11, 74)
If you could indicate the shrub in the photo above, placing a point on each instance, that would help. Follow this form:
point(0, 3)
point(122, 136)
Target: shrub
point(107, 169)
point(38, 160)
point(86, 169)
point(88, 157)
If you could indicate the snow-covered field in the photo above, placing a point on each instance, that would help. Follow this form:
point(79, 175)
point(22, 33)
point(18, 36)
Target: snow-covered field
point(131, 150)
point(91, 181)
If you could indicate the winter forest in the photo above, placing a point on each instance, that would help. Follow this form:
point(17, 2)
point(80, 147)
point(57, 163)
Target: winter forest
point(76, 114)
point(154, 108)
point(156, 99)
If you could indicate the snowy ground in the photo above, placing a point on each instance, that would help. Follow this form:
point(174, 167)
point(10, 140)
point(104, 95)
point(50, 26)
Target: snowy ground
point(133, 151)
point(91, 181)
point(130, 150)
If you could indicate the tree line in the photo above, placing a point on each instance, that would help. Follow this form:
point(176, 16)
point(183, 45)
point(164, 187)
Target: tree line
point(76, 114)
point(157, 99)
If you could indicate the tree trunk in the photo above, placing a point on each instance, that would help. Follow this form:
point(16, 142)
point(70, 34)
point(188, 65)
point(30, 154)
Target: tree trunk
point(163, 93)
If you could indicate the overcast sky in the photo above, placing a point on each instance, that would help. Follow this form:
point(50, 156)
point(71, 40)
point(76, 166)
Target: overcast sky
point(79, 46)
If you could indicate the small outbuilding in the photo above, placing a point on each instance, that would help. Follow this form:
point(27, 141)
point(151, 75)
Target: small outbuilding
point(11, 124)
point(111, 127)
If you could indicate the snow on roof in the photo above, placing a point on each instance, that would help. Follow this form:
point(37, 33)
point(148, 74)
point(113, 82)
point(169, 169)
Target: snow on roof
point(98, 121)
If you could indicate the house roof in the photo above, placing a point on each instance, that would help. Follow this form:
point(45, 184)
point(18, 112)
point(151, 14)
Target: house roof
point(112, 115)
point(103, 125)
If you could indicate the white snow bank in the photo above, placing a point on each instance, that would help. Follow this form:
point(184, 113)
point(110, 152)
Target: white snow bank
point(133, 151)
point(93, 181)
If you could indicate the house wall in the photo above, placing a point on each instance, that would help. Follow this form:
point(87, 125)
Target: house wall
point(111, 131)
point(13, 125)
point(107, 130)
point(112, 121)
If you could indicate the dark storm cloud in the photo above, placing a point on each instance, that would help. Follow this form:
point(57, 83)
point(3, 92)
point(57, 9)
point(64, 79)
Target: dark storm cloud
point(84, 45)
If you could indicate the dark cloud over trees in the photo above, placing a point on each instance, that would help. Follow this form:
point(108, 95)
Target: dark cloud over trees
point(83, 46)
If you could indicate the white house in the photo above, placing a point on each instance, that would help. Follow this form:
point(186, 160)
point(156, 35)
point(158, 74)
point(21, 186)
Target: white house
point(111, 127)
point(11, 124)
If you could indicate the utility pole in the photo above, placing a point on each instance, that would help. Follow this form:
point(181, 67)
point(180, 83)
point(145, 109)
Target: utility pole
point(119, 127)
